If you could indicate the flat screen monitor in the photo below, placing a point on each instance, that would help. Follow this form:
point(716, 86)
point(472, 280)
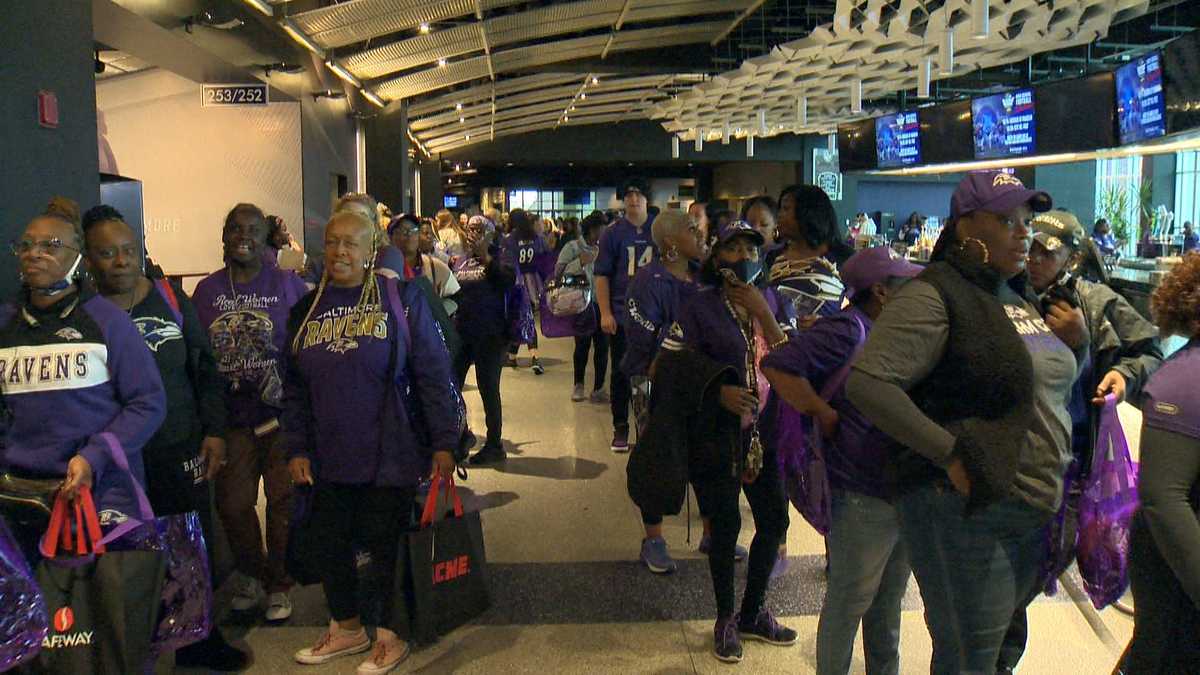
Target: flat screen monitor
point(1141, 105)
point(1076, 115)
point(897, 140)
point(450, 201)
point(856, 145)
point(1181, 77)
point(575, 196)
point(946, 132)
point(1004, 125)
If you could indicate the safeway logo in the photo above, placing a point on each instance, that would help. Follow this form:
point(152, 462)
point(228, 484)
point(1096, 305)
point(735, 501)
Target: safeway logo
point(448, 570)
point(64, 619)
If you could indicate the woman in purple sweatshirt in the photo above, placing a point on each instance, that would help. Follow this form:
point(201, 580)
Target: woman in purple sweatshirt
point(68, 354)
point(354, 354)
point(527, 249)
point(244, 307)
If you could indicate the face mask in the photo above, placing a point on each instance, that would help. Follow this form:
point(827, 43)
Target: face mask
point(745, 271)
point(62, 284)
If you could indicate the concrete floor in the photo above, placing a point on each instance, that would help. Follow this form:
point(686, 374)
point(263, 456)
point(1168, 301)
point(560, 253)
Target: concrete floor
point(563, 537)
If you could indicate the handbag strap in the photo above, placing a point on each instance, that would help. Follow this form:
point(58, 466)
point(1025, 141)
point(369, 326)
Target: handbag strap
point(85, 523)
point(427, 515)
point(393, 293)
point(116, 452)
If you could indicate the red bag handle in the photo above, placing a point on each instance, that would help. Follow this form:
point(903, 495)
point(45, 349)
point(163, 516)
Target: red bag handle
point(431, 500)
point(85, 522)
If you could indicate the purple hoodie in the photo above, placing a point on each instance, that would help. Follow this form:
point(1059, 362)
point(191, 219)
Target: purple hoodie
point(337, 386)
point(69, 373)
point(653, 302)
point(247, 324)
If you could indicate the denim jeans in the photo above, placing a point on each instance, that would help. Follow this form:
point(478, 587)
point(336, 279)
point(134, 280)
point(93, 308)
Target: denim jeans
point(973, 571)
point(868, 572)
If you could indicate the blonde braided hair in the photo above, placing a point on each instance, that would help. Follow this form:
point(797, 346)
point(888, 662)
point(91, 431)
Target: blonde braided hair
point(366, 310)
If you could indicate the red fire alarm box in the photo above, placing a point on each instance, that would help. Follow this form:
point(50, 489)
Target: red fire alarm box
point(47, 109)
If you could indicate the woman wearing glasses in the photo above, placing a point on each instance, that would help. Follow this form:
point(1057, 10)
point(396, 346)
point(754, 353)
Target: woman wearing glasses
point(68, 354)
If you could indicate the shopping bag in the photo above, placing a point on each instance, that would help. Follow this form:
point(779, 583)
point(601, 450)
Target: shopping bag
point(521, 328)
point(185, 604)
point(1106, 509)
point(100, 618)
point(23, 619)
point(802, 451)
point(569, 295)
point(448, 567)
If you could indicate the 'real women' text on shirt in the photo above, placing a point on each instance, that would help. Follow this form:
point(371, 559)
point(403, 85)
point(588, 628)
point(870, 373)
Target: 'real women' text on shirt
point(247, 325)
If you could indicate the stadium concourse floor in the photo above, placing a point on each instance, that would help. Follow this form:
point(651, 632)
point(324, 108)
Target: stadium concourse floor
point(570, 597)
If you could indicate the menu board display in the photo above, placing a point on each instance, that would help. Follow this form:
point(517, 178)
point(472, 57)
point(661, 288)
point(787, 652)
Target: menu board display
point(898, 140)
point(1004, 125)
point(1141, 108)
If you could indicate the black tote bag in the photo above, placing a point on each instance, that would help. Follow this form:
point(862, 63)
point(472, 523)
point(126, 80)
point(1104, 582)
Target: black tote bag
point(103, 612)
point(447, 568)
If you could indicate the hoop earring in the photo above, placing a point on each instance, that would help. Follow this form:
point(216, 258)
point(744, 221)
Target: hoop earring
point(671, 254)
point(962, 247)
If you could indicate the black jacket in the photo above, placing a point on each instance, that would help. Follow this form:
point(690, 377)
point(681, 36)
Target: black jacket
point(688, 434)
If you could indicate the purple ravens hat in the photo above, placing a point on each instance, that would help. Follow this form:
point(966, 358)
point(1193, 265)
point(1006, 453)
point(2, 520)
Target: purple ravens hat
point(740, 228)
point(995, 192)
point(874, 266)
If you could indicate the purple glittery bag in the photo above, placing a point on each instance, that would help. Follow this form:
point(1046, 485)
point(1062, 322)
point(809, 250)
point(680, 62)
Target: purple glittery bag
point(23, 619)
point(185, 604)
point(1106, 509)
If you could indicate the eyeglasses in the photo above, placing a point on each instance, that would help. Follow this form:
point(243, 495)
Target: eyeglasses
point(44, 247)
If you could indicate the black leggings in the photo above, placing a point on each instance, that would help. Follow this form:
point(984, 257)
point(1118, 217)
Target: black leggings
point(621, 390)
point(583, 344)
point(346, 517)
point(487, 355)
point(718, 498)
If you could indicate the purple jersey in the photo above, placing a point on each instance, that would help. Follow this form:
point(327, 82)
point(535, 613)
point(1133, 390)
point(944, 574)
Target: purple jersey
point(524, 253)
point(1171, 400)
point(653, 305)
point(247, 324)
point(624, 249)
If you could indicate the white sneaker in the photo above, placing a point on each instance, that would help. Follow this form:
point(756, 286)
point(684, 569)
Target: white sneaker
point(247, 594)
point(279, 607)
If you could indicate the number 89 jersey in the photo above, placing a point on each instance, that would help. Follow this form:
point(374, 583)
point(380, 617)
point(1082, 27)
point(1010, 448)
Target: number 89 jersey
point(523, 252)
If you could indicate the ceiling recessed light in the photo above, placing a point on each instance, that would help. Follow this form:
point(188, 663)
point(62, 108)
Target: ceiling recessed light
point(570, 163)
point(458, 106)
point(424, 28)
point(468, 137)
point(458, 167)
point(461, 120)
point(572, 109)
point(441, 63)
point(595, 81)
point(566, 119)
point(582, 97)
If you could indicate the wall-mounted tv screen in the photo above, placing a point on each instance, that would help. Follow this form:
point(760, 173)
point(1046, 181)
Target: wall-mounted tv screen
point(948, 130)
point(450, 201)
point(897, 140)
point(1063, 107)
point(1181, 77)
point(1004, 125)
point(856, 145)
point(1141, 106)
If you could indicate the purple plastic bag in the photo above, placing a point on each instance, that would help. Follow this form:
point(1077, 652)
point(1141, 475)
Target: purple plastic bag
point(803, 467)
point(521, 327)
point(23, 618)
point(801, 451)
point(1105, 510)
point(185, 614)
point(583, 323)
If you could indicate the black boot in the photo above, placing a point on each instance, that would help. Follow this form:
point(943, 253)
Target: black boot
point(213, 653)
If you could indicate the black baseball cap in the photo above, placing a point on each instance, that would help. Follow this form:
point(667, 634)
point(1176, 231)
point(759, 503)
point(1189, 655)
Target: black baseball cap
point(634, 183)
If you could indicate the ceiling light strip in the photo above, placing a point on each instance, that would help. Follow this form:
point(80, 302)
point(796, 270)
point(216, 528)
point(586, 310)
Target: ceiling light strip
point(298, 35)
point(262, 6)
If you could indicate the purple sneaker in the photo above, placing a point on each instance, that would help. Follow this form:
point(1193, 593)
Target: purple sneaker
point(765, 628)
point(727, 644)
point(739, 552)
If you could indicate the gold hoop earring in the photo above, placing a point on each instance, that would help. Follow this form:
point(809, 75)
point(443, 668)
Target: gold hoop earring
point(671, 254)
point(962, 247)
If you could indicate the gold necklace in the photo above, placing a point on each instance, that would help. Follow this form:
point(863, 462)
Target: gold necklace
point(754, 456)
